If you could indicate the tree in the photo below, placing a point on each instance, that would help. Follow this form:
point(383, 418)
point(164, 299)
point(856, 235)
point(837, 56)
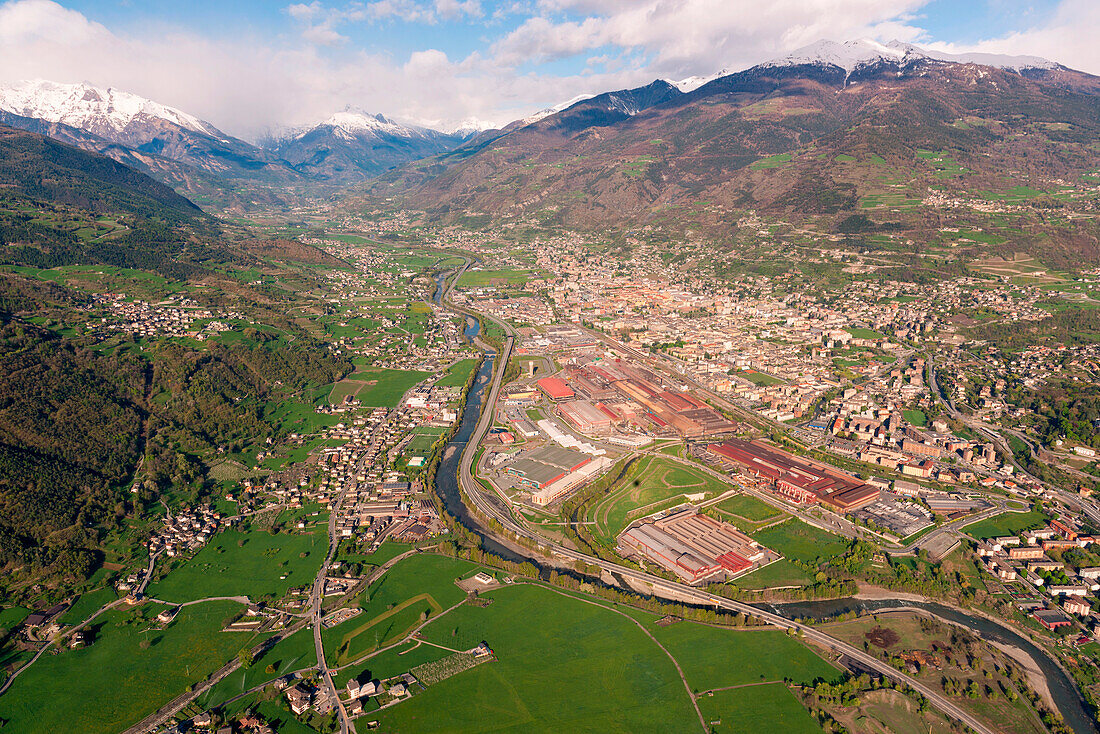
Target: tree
point(245, 657)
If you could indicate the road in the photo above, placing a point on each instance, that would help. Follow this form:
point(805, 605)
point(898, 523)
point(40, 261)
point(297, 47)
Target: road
point(473, 491)
point(317, 596)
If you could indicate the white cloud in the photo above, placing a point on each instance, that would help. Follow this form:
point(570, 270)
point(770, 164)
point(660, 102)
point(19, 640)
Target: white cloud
point(1068, 37)
point(700, 36)
point(455, 9)
point(245, 82)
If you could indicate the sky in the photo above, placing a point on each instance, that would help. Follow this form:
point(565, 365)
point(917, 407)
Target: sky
point(253, 67)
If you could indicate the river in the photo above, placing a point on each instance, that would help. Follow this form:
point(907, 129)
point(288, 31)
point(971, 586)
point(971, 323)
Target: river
point(446, 476)
point(1063, 690)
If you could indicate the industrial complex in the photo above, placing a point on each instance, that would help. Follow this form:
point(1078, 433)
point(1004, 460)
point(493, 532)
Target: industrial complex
point(798, 479)
point(695, 547)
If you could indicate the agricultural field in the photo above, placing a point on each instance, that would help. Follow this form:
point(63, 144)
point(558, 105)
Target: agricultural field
point(774, 161)
point(257, 564)
point(567, 662)
point(1009, 523)
point(131, 668)
point(756, 707)
point(652, 483)
point(290, 654)
point(87, 605)
point(795, 539)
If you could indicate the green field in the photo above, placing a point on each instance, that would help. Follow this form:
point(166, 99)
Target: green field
point(224, 567)
point(859, 333)
point(795, 539)
point(757, 708)
point(290, 654)
point(113, 682)
point(749, 507)
point(424, 437)
point(761, 379)
point(779, 573)
point(482, 278)
point(393, 605)
point(566, 664)
point(716, 658)
point(381, 388)
point(651, 483)
point(88, 604)
point(916, 417)
point(772, 161)
point(458, 373)
point(1009, 523)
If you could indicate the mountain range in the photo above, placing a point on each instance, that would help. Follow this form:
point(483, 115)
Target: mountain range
point(626, 155)
point(829, 128)
point(200, 160)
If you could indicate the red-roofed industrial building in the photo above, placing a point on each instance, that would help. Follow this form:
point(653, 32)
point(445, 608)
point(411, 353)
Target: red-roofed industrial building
point(555, 388)
point(800, 480)
point(694, 547)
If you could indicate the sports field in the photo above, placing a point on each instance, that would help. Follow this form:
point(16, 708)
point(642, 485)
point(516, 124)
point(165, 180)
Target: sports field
point(653, 483)
point(254, 568)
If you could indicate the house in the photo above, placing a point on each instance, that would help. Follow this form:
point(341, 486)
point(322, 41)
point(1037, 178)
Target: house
point(397, 690)
point(203, 720)
point(299, 698)
point(168, 615)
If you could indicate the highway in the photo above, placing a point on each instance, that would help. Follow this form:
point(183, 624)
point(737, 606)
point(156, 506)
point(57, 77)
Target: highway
point(474, 493)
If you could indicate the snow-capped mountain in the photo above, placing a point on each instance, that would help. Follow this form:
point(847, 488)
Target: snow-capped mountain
point(104, 112)
point(151, 135)
point(864, 52)
point(353, 145)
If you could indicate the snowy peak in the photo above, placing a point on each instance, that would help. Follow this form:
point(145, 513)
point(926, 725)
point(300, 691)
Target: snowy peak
point(853, 55)
point(104, 112)
point(691, 83)
point(356, 122)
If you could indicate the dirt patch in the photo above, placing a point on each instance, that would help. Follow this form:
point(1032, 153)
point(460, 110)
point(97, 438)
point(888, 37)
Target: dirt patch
point(882, 637)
